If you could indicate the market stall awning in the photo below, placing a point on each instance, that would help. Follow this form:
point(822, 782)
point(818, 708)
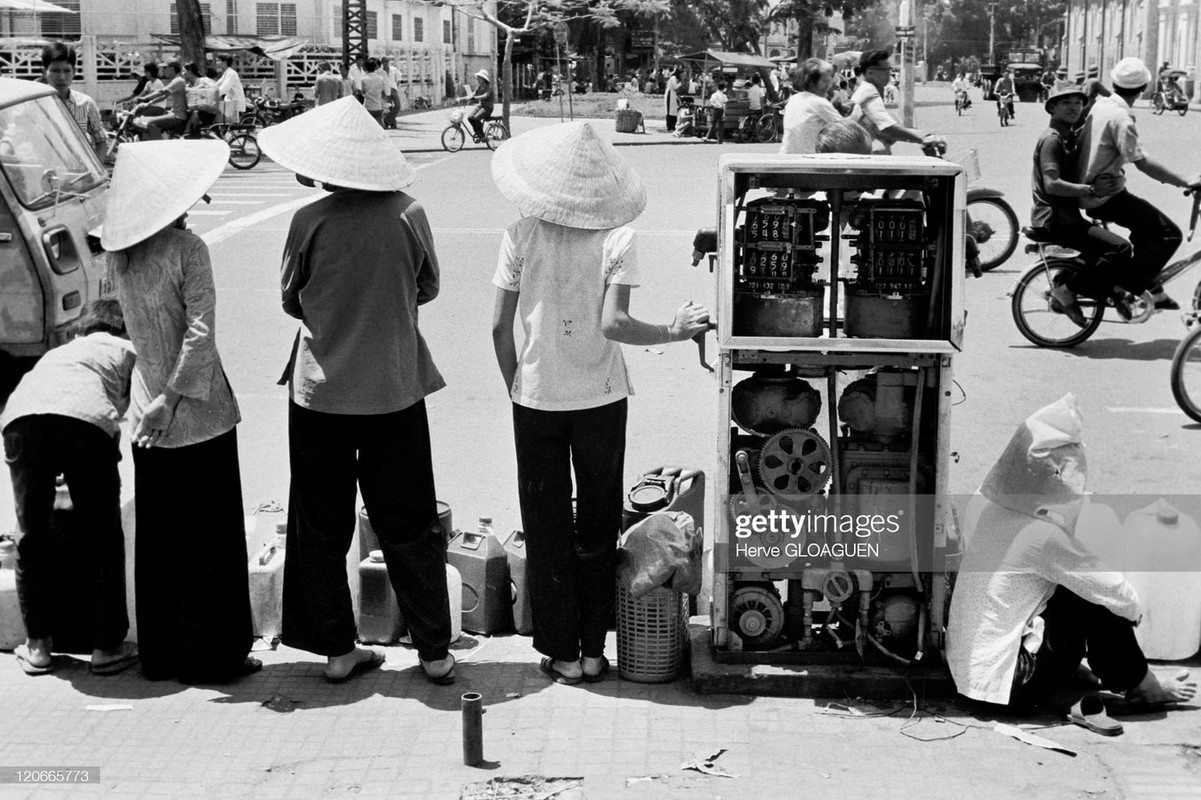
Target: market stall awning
point(728, 59)
point(278, 48)
point(34, 6)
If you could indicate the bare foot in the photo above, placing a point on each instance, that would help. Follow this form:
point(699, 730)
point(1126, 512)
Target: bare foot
point(1152, 690)
point(568, 669)
point(338, 668)
point(38, 652)
point(439, 668)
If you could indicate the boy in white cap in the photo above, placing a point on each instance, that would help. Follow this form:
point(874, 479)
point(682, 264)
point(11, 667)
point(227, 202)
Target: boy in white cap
point(1031, 599)
point(566, 270)
point(356, 266)
point(1108, 142)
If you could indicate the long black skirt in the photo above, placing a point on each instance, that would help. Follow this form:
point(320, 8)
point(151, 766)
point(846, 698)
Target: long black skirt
point(193, 598)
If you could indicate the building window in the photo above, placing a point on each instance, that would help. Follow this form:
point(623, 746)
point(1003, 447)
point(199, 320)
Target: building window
point(231, 17)
point(372, 25)
point(273, 19)
point(62, 24)
point(446, 39)
point(205, 14)
point(398, 28)
point(418, 29)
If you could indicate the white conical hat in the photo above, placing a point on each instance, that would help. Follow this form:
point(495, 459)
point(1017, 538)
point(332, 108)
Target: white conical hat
point(155, 183)
point(339, 143)
point(568, 175)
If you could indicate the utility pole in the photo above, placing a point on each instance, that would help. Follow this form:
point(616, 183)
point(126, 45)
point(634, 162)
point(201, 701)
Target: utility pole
point(908, 49)
point(191, 32)
point(992, 33)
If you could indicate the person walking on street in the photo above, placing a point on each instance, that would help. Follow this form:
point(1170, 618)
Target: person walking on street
point(58, 69)
point(193, 596)
point(229, 85)
point(717, 114)
point(375, 91)
point(1108, 142)
point(565, 270)
point(64, 418)
point(672, 98)
point(870, 112)
point(328, 88)
point(357, 380)
point(807, 110)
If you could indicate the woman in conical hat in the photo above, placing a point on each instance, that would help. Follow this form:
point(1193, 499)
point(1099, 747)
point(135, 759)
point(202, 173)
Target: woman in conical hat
point(565, 270)
point(356, 266)
point(193, 601)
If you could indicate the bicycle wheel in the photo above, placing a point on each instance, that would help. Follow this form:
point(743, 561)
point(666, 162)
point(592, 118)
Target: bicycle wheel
point(453, 138)
point(244, 151)
point(495, 133)
point(1157, 104)
point(1186, 374)
point(1182, 109)
point(994, 225)
point(1037, 320)
point(765, 128)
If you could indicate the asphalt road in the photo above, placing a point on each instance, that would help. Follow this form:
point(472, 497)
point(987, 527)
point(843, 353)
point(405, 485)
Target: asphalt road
point(1139, 442)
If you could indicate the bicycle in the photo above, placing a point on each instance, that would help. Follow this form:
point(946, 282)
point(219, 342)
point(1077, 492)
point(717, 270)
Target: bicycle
point(422, 103)
point(244, 152)
point(1042, 323)
point(1005, 109)
point(457, 132)
point(962, 102)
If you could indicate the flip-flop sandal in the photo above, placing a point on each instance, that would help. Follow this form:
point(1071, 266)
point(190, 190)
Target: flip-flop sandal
point(27, 666)
point(128, 657)
point(548, 669)
point(601, 674)
point(375, 662)
point(445, 679)
point(1089, 712)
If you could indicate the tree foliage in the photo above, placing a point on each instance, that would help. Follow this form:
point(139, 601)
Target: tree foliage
point(812, 18)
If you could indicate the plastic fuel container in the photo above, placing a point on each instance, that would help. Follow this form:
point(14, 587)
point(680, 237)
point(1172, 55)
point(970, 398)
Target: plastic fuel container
point(12, 628)
point(267, 585)
point(380, 620)
point(519, 587)
point(480, 559)
point(1164, 542)
point(368, 540)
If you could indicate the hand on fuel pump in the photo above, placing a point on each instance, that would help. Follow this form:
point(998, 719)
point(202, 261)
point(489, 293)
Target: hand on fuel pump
point(691, 319)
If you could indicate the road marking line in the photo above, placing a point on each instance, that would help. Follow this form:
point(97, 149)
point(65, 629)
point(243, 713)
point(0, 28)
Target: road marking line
point(235, 193)
point(200, 212)
point(1132, 410)
point(216, 201)
point(223, 232)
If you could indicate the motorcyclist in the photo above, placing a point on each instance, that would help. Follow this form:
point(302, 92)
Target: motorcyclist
point(869, 110)
point(959, 87)
point(1005, 89)
point(484, 100)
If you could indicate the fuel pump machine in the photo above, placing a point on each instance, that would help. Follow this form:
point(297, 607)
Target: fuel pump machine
point(840, 309)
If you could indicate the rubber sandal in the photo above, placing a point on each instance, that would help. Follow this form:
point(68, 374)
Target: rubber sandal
point(548, 669)
point(445, 679)
point(27, 666)
point(1089, 712)
point(128, 657)
point(600, 675)
point(375, 662)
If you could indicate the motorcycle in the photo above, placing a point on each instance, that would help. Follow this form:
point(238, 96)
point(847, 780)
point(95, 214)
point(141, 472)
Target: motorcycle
point(991, 221)
point(267, 111)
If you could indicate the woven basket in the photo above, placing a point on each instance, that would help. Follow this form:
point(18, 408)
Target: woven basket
point(628, 120)
point(651, 634)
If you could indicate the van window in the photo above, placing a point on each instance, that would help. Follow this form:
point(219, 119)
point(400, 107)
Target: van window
point(39, 136)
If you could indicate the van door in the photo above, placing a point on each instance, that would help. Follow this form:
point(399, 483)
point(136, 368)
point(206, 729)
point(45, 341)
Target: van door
point(22, 308)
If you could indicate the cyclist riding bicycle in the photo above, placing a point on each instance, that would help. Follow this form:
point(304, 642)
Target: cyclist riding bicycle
point(1004, 90)
point(959, 89)
point(484, 99)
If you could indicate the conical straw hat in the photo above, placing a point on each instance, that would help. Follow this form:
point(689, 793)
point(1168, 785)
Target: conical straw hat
point(568, 175)
point(339, 143)
point(155, 183)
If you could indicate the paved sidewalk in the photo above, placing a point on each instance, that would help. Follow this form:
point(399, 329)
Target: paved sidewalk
point(287, 733)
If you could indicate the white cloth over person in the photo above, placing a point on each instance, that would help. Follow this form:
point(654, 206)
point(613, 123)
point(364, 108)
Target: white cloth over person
point(561, 274)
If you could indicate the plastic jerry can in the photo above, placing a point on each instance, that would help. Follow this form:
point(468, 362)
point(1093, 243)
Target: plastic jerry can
point(674, 489)
point(480, 559)
point(454, 593)
point(267, 585)
point(380, 620)
point(368, 540)
point(12, 628)
point(1163, 544)
point(519, 586)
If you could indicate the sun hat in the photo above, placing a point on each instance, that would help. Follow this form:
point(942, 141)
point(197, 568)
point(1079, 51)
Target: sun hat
point(483, 73)
point(340, 144)
point(568, 175)
point(1130, 73)
point(1044, 460)
point(1062, 90)
point(155, 183)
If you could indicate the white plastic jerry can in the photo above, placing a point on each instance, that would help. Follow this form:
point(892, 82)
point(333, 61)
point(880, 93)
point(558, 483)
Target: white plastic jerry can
point(454, 592)
point(266, 575)
point(12, 626)
point(1164, 543)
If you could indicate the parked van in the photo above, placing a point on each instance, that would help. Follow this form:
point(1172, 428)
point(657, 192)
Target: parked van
point(51, 196)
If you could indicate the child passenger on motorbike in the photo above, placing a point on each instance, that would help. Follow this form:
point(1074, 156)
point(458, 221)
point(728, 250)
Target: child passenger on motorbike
point(1057, 211)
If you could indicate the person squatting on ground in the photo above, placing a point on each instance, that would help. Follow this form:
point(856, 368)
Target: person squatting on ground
point(58, 69)
point(1056, 209)
point(1108, 142)
point(565, 270)
point(870, 111)
point(484, 100)
point(357, 378)
point(808, 110)
point(193, 598)
point(1030, 599)
point(64, 418)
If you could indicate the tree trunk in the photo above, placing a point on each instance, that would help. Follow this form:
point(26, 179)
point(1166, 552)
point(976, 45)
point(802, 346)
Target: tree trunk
point(191, 32)
point(804, 38)
point(507, 79)
point(601, 60)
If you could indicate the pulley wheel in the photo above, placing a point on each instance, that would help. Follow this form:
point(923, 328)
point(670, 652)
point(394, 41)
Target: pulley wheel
point(795, 462)
point(761, 505)
point(756, 615)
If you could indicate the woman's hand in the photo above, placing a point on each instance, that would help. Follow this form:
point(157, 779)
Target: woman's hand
point(690, 320)
point(156, 420)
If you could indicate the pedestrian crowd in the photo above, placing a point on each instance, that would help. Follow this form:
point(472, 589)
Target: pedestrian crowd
point(357, 376)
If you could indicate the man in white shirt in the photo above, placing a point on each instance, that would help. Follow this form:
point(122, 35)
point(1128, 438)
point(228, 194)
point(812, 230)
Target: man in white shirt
point(391, 97)
point(754, 95)
point(808, 110)
point(869, 110)
point(1107, 143)
point(717, 113)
